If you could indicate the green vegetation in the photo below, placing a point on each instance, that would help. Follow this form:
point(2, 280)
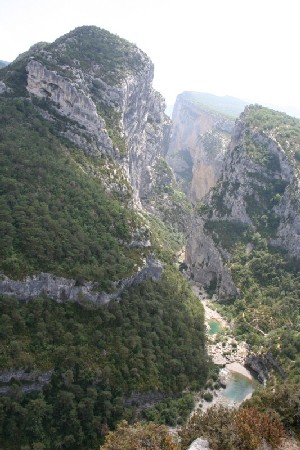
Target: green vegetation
point(217, 198)
point(88, 47)
point(266, 194)
point(226, 233)
point(283, 398)
point(153, 339)
point(166, 242)
point(212, 144)
point(172, 207)
point(112, 120)
point(55, 217)
point(15, 77)
point(171, 412)
point(284, 128)
point(267, 313)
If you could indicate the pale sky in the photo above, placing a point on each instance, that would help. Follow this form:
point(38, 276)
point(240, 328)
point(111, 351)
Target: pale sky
point(244, 48)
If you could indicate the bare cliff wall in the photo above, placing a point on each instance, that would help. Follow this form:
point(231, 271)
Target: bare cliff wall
point(124, 120)
point(198, 142)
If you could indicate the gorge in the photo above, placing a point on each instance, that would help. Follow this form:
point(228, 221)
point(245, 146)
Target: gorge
point(99, 193)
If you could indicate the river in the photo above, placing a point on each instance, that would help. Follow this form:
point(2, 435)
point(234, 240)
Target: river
point(225, 350)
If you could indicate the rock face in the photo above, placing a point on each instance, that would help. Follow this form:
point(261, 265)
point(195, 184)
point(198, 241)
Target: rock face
point(258, 190)
point(206, 261)
point(68, 99)
point(62, 289)
point(261, 366)
point(31, 381)
point(199, 139)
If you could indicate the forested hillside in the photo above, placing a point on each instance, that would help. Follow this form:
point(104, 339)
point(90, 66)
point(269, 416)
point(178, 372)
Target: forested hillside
point(74, 162)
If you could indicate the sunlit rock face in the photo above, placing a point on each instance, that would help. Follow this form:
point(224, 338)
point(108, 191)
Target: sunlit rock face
point(199, 139)
point(111, 112)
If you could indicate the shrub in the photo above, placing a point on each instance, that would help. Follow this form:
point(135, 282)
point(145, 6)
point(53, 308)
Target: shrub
point(228, 429)
point(253, 427)
point(207, 396)
point(139, 436)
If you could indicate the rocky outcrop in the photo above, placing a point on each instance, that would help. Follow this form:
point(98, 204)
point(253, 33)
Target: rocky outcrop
point(198, 142)
point(261, 366)
point(62, 289)
point(4, 89)
point(206, 261)
point(71, 101)
point(27, 381)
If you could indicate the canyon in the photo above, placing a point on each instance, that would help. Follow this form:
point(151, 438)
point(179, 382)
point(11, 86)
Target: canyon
point(100, 192)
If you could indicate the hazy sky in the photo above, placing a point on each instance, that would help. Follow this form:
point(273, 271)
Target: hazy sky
point(245, 48)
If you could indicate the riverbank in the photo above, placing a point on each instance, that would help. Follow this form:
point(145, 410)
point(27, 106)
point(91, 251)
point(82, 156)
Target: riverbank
point(223, 348)
point(225, 351)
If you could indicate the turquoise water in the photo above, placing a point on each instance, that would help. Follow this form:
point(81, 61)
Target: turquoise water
point(238, 387)
point(214, 327)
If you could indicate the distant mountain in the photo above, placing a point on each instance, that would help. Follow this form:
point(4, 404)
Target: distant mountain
point(290, 110)
point(230, 106)
point(3, 63)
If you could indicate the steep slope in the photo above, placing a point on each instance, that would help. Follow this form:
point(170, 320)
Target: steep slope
point(85, 198)
point(201, 129)
point(245, 238)
point(94, 90)
point(103, 83)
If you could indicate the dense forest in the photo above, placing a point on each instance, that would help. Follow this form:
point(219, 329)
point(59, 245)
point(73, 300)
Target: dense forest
point(152, 340)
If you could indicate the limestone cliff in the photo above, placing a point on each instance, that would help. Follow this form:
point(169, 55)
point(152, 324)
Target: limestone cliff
point(114, 114)
point(257, 192)
point(200, 135)
point(99, 87)
point(62, 289)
